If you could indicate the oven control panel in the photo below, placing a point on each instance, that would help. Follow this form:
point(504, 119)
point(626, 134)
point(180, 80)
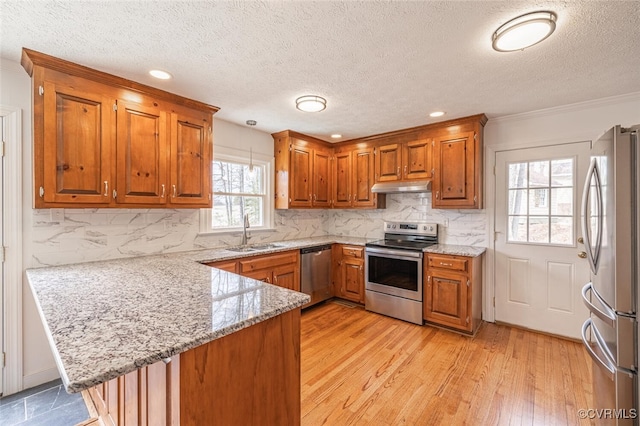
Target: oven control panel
point(411, 228)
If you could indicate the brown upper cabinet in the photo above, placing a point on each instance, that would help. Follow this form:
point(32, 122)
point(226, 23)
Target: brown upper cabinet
point(103, 141)
point(311, 173)
point(354, 174)
point(458, 156)
point(303, 171)
point(410, 160)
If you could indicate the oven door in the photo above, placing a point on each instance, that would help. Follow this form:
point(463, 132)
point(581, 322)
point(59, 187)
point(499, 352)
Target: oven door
point(394, 272)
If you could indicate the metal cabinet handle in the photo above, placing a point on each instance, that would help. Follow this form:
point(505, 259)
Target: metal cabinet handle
point(162, 195)
point(398, 172)
point(446, 264)
point(106, 188)
point(267, 280)
point(175, 193)
point(437, 195)
point(405, 170)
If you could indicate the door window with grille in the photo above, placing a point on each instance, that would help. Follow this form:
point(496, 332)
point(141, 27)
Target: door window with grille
point(541, 202)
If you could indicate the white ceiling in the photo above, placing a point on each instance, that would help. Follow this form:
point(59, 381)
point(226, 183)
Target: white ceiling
point(382, 66)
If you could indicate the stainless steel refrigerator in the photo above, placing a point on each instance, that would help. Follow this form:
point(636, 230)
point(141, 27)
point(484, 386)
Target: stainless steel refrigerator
point(610, 221)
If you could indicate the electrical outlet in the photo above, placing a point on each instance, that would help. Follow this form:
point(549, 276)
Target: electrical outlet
point(446, 223)
point(57, 215)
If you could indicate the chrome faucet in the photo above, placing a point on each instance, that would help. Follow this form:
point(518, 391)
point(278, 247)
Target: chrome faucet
point(244, 229)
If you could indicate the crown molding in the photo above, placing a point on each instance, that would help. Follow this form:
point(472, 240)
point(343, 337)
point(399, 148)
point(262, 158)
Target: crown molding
point(578, 106)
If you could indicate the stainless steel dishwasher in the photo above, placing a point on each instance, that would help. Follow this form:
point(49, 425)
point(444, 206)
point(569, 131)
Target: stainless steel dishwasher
point(315, 273)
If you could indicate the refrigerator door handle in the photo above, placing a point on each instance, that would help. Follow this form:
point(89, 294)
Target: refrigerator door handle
point(607, 315)
point(592, 174)
point(607, 364)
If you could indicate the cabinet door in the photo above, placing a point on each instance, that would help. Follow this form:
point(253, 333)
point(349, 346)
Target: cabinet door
point(265, 275)
point(191, 150)
point(389, 162)
point(455, 166)
point(342, 180)
point(446, 300)
point(352, 279)
point(142, 154)
point(417, 158)
point(79, 132)
point(300, 179)
point(287, 276)
point(363, 178)
point(321, 178)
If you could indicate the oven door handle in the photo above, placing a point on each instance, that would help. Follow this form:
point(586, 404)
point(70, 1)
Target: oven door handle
point(400, 253)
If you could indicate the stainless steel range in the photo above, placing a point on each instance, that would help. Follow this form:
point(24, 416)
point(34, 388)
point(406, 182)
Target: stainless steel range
point(393, 269)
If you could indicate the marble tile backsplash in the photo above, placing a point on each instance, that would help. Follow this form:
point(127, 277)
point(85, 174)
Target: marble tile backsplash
point(84, 235)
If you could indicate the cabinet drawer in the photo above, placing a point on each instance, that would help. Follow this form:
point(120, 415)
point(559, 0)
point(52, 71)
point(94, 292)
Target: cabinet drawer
point(353, 252)
point(225, 265)
point(449, 262)
point(268, 261)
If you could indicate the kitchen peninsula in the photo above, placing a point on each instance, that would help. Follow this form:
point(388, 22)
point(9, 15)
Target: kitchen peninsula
point(166, 340)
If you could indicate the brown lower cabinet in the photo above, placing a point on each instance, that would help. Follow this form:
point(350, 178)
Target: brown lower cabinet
point(453, 291)
point(281, 269)
point(348, 272)
point(249, 377)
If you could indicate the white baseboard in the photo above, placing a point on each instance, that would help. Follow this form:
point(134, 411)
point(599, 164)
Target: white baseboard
point(40, 377)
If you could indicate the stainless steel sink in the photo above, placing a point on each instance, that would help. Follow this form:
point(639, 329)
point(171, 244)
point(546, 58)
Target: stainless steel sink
point(266, 246)
point(257, 247)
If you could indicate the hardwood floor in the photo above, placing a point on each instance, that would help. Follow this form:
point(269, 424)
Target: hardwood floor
point(363, 368)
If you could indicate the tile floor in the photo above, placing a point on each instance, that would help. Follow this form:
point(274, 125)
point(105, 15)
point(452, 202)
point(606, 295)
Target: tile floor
point(47, 404)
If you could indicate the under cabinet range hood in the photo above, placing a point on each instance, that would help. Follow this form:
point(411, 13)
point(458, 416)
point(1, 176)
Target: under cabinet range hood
point(402, 186)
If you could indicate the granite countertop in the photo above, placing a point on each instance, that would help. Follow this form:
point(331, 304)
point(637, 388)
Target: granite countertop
point(106, 319)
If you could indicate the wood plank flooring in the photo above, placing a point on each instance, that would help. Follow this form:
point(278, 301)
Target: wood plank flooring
point(362, 368)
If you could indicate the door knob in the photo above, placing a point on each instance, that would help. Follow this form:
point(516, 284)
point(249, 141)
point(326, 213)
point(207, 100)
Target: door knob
point(581, 240)
point(582, 255)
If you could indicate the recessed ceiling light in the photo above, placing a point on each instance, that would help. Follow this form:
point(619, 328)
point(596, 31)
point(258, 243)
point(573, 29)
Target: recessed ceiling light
point(436, 114)
point(524, 31)
point(311, 103)
point(162, 75)
point(336, 136)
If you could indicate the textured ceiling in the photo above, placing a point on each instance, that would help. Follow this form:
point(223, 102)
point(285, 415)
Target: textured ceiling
point(381, 65)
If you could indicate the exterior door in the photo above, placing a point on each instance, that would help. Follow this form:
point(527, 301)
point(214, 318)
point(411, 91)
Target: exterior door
point(540, 265)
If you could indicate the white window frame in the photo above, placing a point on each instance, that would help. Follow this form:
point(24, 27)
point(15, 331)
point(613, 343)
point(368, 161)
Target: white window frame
point(549, 187)
point(261, 160)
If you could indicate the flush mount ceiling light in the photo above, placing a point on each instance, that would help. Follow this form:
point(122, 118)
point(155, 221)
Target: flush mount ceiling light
point(336, 136)
point(436, 114)
point(162, 75)
point(311, 103)
point(524, 31)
